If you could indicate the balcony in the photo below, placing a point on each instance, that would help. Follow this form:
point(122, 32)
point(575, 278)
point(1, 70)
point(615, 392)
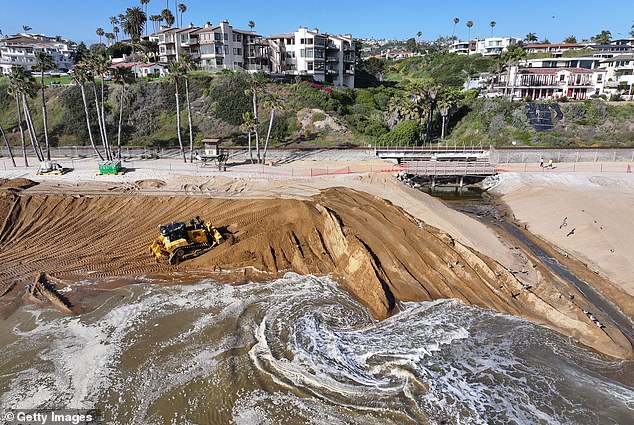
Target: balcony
point(332, 59)
point(332, 47)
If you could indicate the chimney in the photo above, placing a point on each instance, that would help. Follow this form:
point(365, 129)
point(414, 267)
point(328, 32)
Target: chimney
point(316, 30)
point(191, 25)
point(207, 24)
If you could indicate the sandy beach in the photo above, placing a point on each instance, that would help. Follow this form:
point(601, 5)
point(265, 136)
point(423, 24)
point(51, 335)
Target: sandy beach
point(384, 242)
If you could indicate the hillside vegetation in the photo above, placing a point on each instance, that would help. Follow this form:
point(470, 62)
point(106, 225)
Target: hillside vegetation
point(404, 110)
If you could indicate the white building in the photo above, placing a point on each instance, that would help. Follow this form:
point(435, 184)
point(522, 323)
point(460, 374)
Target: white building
point(553, 49)
point(551, 83)
point(488, 47)
point(20, 50)
point(586, 62)
point(217, 47)
point(492, 46)
point(142, 69)
point(322, 57)
point(620, 75)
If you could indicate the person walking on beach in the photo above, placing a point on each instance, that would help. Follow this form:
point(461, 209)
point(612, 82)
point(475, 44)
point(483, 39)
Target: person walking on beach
point(541, 162)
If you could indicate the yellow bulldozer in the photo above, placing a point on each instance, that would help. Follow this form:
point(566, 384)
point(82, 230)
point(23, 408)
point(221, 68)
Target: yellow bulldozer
point(178, 241)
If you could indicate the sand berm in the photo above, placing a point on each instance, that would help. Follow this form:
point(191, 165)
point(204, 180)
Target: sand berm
point(380, 254)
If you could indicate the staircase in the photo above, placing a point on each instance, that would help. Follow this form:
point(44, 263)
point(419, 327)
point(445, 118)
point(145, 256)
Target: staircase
point(540, 116)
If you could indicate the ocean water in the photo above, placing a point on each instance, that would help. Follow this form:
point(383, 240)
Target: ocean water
point(300, 350)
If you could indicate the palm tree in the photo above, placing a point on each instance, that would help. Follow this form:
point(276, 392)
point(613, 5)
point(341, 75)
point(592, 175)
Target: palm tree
point(99, 65)
point(81, 77)
point(14, 92)
point(187, 65)
point(273, 102)
point(44, 62)
point(100, 32)
point(492, 24)
point(116, 30)
point(456, 21)
point(256, 85)
point(251, 25)
point(571, 39)
point(156, 19)
point(249, 125)
point(114, 21)
point(632, 31)
point(6, 142)
point(469, 25)
point(419, 34)
point(603, 37)
point(182, 9)
point(175, 73)
point(144, 5)
point(134, 23)
point(512, 56)
point(26, 86)
point(110, 37)
point(122, 76)
point(531, 37)
point(26, 29)
point(168, 17)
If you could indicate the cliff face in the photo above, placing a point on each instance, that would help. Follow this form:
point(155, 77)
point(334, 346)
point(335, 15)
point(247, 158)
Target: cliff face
point(377, 252)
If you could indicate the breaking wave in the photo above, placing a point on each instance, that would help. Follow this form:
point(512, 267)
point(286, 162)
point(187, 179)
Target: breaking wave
point(300, 350)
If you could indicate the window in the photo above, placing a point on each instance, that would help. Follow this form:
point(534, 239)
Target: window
point(235, 51)
point(226, 37)
point(319, 54)
point(239, 51)
point(226, 49)
point(239, 37)
point(309, 66)
point(219, 61)
point(217, 36)
point(599, 78)
point(562, 78)
point(218, 50)
point(320, 66)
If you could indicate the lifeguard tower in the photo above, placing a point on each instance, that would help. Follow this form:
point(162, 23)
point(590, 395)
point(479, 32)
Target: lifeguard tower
point(213, 153)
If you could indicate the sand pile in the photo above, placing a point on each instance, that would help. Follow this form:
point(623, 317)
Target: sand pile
point(376, 251)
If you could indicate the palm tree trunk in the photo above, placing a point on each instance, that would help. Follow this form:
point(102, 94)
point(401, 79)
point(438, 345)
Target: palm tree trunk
point(442, 136)
point(178, 122)
point(101, 131)
point(189, 118)
point(268, 135)
point(26, 161)
point(45, 120)
point(257, 135)
point(250, 151)
point(103, 119)
point(120, 122)
point(92, 140)
point(31, 129)
point(6, 142)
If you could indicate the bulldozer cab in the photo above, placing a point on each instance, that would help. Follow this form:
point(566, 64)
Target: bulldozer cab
point(174, 231)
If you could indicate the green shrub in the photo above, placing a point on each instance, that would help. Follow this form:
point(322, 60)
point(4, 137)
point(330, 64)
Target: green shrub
point(407, 132)
point(228, 93)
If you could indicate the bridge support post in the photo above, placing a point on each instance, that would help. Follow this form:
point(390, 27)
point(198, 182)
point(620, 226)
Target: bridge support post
point(433, 182)
point(461, 181)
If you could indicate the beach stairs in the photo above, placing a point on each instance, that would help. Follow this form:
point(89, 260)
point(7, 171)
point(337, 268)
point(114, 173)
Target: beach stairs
point(540, 115)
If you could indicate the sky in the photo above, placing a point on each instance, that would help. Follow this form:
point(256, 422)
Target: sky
point(392, 19)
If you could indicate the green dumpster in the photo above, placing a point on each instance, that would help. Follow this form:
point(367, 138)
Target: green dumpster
point(110, 168)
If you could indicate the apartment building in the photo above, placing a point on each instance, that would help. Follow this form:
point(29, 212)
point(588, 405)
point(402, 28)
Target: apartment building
point(490, 46)
point(618, 47)
point(553, 49)
point(551, 83)
point(586, 62)
point(20, 50)
point(620, 75)
point(311, 54)
point(216, 47)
